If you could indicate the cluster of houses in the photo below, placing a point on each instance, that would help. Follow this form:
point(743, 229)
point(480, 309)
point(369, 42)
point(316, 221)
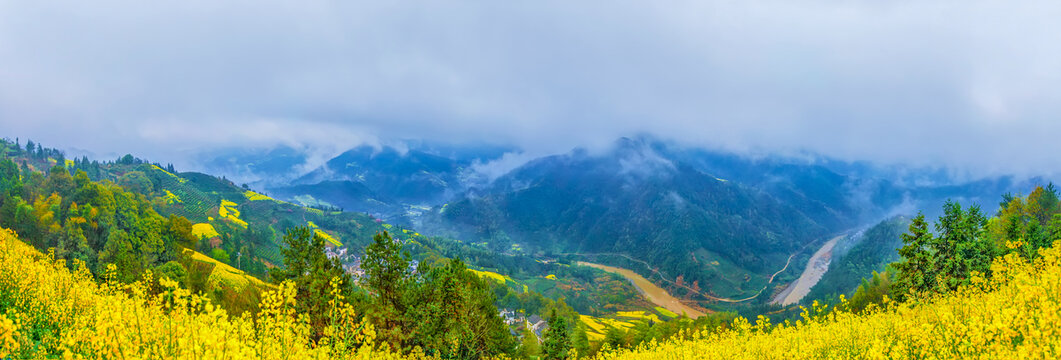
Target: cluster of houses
point(352, 262)
point(517, 323)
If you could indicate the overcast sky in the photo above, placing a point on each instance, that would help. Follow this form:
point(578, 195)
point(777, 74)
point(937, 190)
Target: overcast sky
point(971, 84)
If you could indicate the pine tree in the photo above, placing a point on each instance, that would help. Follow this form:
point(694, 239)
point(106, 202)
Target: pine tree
point(312, 271)
point(386, 268)
point(387, 276)
point(977, 250)
point(1053, 230)
point(916, 272)
point(529, 347)
point(961, 246)
point(557, 342)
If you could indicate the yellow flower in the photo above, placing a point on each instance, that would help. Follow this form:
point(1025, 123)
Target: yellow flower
point(1015, 314)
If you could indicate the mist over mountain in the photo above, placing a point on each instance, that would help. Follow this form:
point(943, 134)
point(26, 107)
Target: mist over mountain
point(529, 180)
point(431, 173)
point(676, 207)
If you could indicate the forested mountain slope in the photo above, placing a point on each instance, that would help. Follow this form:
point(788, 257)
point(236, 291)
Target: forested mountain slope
point(859, 256)
point(634, 202)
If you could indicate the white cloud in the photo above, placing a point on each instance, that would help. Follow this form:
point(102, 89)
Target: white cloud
point(970, 84)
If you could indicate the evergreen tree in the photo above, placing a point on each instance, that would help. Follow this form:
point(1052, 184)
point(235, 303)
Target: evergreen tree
point(309, 267)
point(1053, 231)
point(529, 347)
point(947, 261)
point(557, 339)
point(451, 311)
point(386, 276)
point(961, 246)
point(917, 270)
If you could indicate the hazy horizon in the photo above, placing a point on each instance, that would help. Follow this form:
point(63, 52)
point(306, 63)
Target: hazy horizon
point(910, 83)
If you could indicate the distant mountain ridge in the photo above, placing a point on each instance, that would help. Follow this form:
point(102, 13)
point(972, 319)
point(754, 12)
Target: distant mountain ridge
point(676, 207)
point(634, 201)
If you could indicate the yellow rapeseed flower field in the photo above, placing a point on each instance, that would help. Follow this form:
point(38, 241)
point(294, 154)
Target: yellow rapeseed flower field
point(1016, 314)
point(47, 311)
point(203, 230)
point(253, 196)
point(492, 275)
point(179, 179)
point(171, 198)
point(324, 235)
point(228, 210)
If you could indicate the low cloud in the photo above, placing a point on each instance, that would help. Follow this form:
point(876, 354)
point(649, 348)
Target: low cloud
point(493, 169)
point(883, 81)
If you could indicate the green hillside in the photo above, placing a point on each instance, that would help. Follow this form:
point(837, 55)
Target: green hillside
point(246, 222)
point(631, 202)
point(859, 256)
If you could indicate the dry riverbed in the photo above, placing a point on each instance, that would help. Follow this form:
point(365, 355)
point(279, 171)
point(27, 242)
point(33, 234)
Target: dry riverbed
point(816, 268)
point(653, 293)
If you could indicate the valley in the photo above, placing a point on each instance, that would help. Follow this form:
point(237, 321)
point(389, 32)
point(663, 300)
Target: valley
point(530, 180)
point(620, 250)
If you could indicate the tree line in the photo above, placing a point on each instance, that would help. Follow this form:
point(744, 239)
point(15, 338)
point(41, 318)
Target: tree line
point(961, 245)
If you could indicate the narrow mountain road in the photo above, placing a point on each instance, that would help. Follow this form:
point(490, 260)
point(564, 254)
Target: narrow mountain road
point(789, 261)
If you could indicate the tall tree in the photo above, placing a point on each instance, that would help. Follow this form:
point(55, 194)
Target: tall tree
point(557, 342)
point(917, 269)
point(961, 246)
point(1053, 231)
point(529, 346)
point(312, 271)
point(386, 276)
point(451, 311)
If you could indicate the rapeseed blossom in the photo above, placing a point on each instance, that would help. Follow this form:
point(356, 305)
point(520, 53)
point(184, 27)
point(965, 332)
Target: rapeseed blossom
point(47, 310)
point(1016, 314)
